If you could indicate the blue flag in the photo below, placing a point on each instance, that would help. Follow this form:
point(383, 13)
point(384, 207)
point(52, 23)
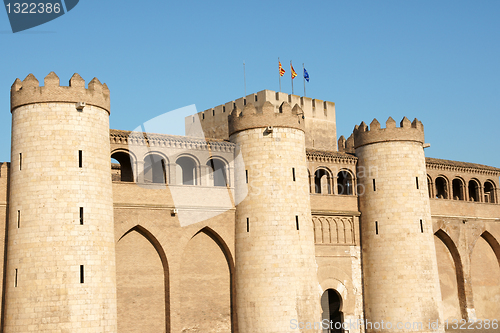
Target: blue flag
point(306, 75)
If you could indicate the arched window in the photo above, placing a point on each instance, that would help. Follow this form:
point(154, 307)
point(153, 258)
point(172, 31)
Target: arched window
point(217, 172)
point(429, 186)
point(123, 171)
point(331, 304)
point(458, 189)
point(186, 171)
point(155, 169)
point(344, 183)
point(474, 191)
point(441, 188)
point(309, 179)
point(322, 180)
point(489, 192)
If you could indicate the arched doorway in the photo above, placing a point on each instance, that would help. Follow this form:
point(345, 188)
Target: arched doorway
point(331, 304)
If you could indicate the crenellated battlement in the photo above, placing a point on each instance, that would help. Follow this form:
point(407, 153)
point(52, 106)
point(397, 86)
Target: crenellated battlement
point(266, 116)
point(313, 108)
point(29, 91)
point(346, 146)
point(408, 131)
point(318, 115)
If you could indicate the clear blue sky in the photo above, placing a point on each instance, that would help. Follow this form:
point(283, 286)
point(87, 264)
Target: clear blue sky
point(438, 61)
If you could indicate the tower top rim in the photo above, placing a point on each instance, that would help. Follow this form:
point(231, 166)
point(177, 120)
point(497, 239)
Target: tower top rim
point(407, 131)
point(265, 117)
point(29, 91)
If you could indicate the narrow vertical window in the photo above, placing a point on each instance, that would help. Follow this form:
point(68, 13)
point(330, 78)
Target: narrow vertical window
point(18, 219)
point(81, 215)
point(80, 158)
point(81, 274)
point(246, 176)
point(248, 224)
point(374, 188)
point(15, 280)
point(417, 183)
point(293, 173)
point(20, 161)
point(376, 227)
point(297, 221)
point(421, 227)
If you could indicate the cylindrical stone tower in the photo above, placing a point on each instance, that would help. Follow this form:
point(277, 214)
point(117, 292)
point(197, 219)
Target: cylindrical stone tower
point(401, 283)
point(61, 254)
point(276, 280)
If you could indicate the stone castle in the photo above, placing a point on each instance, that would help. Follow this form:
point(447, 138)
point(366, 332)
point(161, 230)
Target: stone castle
point(257, 221)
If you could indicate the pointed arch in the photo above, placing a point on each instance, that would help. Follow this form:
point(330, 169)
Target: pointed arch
point(459, 272)
point(152, 240)
point(485, 269)
point(495, 246)
point(221, 243)
point(204, 243)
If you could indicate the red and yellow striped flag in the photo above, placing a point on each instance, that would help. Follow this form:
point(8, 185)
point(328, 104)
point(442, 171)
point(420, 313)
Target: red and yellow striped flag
point(293, 71)
point(282, 71)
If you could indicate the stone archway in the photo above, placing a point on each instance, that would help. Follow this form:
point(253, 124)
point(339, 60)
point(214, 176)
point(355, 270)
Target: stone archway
point(142, 283)
point(331, 305)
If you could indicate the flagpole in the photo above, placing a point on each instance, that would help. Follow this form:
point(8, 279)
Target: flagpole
point(291, 74)
point(244, 78)
point(304, 77)
point(279, 74)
